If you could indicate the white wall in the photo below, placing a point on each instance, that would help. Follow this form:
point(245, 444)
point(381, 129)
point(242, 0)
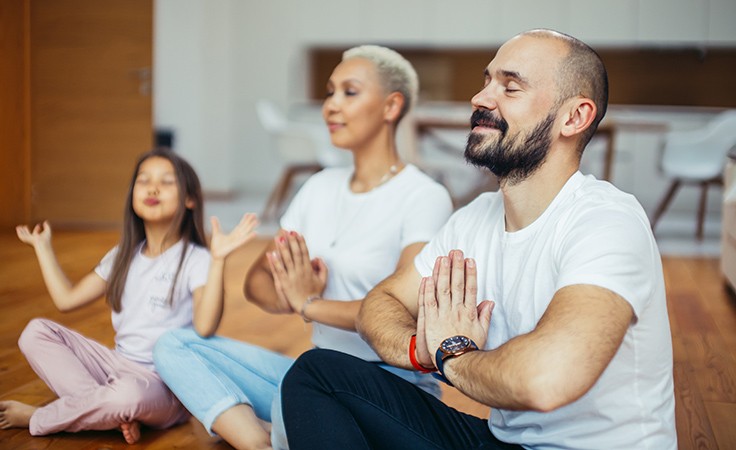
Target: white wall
point(214, 59)
point(193, 86)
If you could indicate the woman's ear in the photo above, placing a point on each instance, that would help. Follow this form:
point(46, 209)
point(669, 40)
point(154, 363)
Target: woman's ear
point(393, 106)
point(580, 115)
point(189, 203)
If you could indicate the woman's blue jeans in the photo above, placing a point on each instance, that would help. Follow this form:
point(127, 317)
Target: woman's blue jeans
point(211, 375)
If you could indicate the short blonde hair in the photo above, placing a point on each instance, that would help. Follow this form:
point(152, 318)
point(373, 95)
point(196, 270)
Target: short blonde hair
point(396, 73)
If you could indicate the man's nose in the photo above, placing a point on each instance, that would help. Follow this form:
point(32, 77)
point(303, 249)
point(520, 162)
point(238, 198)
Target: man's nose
point(485, 98)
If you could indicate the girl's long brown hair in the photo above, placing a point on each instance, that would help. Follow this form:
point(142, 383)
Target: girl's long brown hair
point(188, 224)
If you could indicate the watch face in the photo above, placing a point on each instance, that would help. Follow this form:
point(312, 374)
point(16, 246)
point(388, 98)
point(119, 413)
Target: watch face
point(455, 343)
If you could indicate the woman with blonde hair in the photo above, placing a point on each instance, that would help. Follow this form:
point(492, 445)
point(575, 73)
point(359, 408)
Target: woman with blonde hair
point(346, 230)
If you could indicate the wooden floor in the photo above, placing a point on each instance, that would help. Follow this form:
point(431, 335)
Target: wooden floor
point(702, 314)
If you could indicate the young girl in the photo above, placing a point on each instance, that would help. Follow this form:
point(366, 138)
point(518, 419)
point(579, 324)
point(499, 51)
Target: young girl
point(157, 278)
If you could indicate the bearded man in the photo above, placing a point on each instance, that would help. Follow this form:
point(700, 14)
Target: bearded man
point(544, 301)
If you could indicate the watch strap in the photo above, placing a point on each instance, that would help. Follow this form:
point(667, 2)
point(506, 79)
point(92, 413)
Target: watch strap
point(442, 378)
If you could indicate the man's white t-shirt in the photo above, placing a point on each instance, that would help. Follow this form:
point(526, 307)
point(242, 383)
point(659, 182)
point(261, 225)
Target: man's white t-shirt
point(360, 236)
point(146, 313)
point(594, 234)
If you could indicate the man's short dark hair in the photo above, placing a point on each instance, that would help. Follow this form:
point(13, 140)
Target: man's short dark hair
point(581, 72)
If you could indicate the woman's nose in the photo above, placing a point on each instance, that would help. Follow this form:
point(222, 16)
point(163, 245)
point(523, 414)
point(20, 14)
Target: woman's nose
point(328, 106)
point(332, 103)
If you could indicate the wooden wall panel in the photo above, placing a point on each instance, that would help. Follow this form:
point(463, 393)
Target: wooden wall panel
point(91, 106)
point(14, 119)
point(637, 76)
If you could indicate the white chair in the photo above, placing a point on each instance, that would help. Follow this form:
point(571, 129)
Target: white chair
point(303, 148)
point(697, 157)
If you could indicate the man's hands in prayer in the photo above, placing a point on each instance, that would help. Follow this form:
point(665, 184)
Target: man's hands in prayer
point(448, 306)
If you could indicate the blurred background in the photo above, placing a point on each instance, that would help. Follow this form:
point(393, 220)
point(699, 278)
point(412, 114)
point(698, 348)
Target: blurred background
point(235, 85)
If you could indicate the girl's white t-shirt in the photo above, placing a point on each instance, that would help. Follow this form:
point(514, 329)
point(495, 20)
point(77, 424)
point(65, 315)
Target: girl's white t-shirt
point(146, 312)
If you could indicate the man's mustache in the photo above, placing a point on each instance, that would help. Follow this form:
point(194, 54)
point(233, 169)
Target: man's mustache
point(484, 118)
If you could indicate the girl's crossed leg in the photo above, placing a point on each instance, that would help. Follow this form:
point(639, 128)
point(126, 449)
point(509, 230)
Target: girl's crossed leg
point(97, 388)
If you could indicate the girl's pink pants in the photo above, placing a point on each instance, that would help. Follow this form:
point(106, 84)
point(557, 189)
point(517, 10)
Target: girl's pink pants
point(97, 388)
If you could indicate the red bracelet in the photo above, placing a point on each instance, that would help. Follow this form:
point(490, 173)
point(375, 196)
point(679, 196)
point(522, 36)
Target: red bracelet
point(413, 357)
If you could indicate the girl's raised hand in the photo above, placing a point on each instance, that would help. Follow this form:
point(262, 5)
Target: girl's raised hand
point(40, 235)
point(222, 245)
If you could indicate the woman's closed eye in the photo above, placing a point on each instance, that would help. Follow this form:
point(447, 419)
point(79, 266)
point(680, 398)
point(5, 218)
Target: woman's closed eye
point(345, 93)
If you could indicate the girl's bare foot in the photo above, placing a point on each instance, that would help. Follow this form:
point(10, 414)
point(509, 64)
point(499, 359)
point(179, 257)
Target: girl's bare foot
point(131, 431)
point(15, 414)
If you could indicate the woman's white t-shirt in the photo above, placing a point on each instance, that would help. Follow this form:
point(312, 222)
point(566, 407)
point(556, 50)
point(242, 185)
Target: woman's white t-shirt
point(361, 236)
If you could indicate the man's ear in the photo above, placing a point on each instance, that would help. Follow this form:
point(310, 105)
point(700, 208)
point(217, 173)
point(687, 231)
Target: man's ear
point(580, 114)
point(393, 106)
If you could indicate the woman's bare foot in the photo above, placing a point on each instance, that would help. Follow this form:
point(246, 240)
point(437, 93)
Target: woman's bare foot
point(266, 425)
point(131, 431)
point(15, 414)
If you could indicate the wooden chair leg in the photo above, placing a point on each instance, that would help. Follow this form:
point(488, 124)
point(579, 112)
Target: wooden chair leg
point(285, 188)
point(271, 208)
point(701, 209)
point(665, 202)
point(281, 191)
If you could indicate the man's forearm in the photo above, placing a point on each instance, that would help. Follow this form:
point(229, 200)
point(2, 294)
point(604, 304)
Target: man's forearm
point(557, 362)
point(387, 326)
point(519, 375)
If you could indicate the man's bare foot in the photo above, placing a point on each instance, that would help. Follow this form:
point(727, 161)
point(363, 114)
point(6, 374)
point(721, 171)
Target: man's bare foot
point(15, 414)
point(131, 431)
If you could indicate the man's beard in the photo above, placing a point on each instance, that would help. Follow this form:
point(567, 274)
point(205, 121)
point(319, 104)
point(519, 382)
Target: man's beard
point(511, 158)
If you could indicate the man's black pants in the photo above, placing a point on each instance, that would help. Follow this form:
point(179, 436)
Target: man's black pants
point(332, 400)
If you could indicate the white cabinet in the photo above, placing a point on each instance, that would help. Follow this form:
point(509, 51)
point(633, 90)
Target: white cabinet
point(728, 233)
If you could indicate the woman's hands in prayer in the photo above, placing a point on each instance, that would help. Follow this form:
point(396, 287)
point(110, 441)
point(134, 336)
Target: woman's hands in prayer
point(296, 276)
